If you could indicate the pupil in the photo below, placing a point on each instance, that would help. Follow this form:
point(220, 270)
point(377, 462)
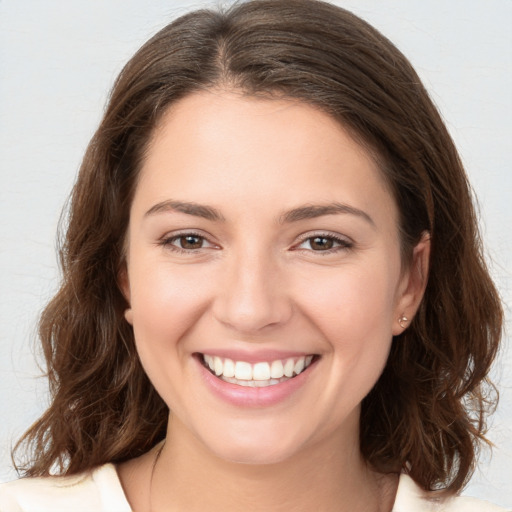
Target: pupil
point(191, 242)
point(321, 243)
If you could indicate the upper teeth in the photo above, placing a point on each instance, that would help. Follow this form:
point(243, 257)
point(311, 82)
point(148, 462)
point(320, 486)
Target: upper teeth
point(242, 370)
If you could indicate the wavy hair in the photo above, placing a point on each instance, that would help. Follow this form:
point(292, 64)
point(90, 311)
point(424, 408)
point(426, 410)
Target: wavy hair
point(427, 412)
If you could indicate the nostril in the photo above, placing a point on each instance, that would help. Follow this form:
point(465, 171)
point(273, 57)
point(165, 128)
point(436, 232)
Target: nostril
point(252, 297)
point(249, 317)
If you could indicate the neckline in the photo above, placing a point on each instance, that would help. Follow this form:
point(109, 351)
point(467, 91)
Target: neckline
point(110, 488)
point(108, 480)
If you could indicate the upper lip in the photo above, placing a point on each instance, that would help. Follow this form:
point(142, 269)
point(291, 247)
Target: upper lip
point(255, 356)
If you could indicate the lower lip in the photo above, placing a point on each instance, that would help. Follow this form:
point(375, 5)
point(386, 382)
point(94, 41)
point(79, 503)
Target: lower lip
point(245, 396)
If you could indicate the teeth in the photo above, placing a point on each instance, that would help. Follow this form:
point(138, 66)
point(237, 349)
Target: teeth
point(277, 369)
point(229, 368)
point(218, 366)
point(258, 375)
point(299, 365)
point(254, 383)
point(243, 371)
point(288, 367)
point(261, 371)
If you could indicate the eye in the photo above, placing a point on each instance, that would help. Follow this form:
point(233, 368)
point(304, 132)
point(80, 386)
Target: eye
point(321, 243)
point(186, 242)
point(324, 243)
point(189, 241)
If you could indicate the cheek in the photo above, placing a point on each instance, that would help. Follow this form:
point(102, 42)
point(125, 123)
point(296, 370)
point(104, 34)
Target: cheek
point(354, 313)
point(166, 303)
point(351, 301)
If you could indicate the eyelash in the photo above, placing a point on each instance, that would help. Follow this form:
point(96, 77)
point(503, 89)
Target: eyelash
point(342, 243)
point(168, 242)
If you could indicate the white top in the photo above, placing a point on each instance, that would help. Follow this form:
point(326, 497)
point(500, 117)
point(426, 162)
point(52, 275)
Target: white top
point(100, 490)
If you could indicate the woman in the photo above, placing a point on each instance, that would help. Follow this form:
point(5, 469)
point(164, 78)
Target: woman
point(270, 275)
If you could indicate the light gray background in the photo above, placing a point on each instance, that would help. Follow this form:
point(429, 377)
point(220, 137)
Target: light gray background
point(58, 60)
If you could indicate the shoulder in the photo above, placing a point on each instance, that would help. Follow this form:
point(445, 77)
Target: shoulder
point(411, 498)
point(98, 490)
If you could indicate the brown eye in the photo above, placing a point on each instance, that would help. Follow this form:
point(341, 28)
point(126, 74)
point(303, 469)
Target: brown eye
point(325, 243)
point(190, 242)
point(187, 243)
point(321, 243)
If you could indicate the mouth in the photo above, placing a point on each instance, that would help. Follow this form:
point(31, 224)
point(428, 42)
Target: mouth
point(258, 375)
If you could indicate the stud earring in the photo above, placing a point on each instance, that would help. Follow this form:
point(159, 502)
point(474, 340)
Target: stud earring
point(402, 321)
point(128, 315)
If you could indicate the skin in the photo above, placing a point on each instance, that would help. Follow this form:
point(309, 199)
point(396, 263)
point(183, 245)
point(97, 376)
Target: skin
point(258, 281)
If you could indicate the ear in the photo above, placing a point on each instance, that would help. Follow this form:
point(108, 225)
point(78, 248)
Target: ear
point(124, 285)
point(412, 286)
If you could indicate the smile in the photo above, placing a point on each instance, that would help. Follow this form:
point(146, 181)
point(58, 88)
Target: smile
point(261, 374)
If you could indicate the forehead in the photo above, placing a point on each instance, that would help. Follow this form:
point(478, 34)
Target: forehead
point(218, 116)
point(210, 144)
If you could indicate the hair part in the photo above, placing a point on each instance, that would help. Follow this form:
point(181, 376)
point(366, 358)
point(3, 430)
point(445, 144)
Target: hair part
point(427, 412)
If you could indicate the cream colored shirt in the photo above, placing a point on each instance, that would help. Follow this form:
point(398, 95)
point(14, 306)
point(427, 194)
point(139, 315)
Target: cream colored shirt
point(100, 491)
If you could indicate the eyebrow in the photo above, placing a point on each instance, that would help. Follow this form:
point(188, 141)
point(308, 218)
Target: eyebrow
point(297, 214)
point(319, 210)
point(195, 209)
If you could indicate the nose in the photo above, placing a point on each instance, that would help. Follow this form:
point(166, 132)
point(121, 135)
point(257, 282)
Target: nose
point(252, 296)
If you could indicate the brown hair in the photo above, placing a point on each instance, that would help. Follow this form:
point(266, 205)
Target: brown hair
point(427, 412)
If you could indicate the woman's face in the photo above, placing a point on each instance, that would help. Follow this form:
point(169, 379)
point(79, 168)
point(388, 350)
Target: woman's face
point(262, 240)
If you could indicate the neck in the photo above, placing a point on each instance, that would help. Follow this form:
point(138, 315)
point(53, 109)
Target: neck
point(327, 477)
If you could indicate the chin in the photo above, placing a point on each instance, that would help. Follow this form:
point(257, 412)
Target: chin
point(253, 455)
point(254, 447)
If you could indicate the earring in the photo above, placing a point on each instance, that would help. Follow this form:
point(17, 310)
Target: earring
point(128, 315)
point(402, 321)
